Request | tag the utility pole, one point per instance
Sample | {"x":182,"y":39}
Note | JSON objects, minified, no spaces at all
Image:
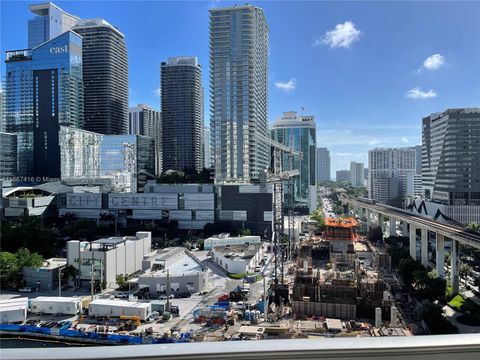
{"x":265,"y":298}
{"x":168,"y":291}
{"x":60,"y":281}
{"x":91,"y":282}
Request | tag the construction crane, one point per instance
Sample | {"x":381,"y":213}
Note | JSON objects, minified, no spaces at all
{"x":277,"y":177}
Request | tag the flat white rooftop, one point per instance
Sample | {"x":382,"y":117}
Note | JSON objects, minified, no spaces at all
{"x":60,"y":299}
{"x":185,"y":265}
{"x":120,"y":303}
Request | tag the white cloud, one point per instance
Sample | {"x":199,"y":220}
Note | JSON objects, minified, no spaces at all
{"x":374,"y":142}
{"x":418,"y":93}
{"x":434,"y":62}
{"x":342,"y":36}
{"x":404,"y":139}
{"x":157,"y":92}
{"x":287,"y":86}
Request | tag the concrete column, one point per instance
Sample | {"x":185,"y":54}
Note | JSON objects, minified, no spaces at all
{"x":424,"y":242}
{"x":413,"y":242}
{"x":440,"y":250}
{"x":454,"y":278}
{"x":393,"y":226}
{"x":369,"y":220}
{"x":380,"y":220}
{"x":404,"y":228}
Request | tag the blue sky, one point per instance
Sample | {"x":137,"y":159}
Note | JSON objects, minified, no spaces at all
{"x":368,"y":71}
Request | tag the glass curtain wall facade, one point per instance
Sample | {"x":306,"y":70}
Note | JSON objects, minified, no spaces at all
{"x":80,"y":154}
{"x":299,"y":133}
{"x":128,"y":160}
{"x":49,"y":22}
{"x":143,"y":120}
{"x":451,"y":157}
{"x":43,"y":90}
{"x":105,"y":74}
{"x":238,"y":92}
{"x":8,"y":156}
{"x":182,"y":113}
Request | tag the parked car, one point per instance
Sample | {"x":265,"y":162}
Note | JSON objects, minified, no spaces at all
{"x":121,"y":296}
{"x":164,"y":297}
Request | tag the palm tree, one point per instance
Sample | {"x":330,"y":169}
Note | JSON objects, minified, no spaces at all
{"x":474,"y":227}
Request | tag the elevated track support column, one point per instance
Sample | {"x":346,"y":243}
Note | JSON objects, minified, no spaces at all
{"x":454,"y":279}
{"x":413,"y":242}
{"x":440,"y":253}
{"x":393,"y":226}
{"x":404,"y":228}
{"x":424,"y":242}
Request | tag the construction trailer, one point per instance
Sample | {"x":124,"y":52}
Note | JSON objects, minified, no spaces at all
{"x":55,"y":305}
{"x":13,"y":310}
{"x":117,"y":308}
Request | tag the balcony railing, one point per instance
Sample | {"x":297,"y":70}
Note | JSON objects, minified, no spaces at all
{"x":440,"y":347}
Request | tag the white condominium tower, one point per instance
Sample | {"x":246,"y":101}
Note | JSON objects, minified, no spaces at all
{"x":238,"y":92}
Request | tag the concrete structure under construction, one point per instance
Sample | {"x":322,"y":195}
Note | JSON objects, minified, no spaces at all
{"x":341,"y":233}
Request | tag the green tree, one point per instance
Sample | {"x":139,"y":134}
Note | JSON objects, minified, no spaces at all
{"x":474,"y":227}
{"x":245,"y":232}
{"x":319,"y":218}
{"x":122,"y":281}
{"x":8,"y":270}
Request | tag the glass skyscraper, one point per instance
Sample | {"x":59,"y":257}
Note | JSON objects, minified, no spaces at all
{"x":105,"y":75}
{"x":182,"y":113}
{"x":323,"y":164}
{"x":238,"y":92}
{"x":299,"y":133}
{"x":49,"y":22}
{"x":143,"y":120}
{"x":43,"y":90}
{"x":451,"y":157}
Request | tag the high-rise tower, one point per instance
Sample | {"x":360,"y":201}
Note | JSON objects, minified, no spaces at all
{"x":182,"y":113}
{"x":238,"y":92}
{"x":105,"y":76}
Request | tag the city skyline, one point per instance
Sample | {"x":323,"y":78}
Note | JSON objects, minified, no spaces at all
{"x":386,"y":98}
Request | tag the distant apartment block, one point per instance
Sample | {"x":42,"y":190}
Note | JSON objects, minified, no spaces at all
{"x":323,"y":164}
{"x":342,"y":175}
{"x":392,"y":173}
{"x":357,"y":178}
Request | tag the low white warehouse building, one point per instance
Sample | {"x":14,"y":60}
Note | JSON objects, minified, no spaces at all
{"x":238,"y":259}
